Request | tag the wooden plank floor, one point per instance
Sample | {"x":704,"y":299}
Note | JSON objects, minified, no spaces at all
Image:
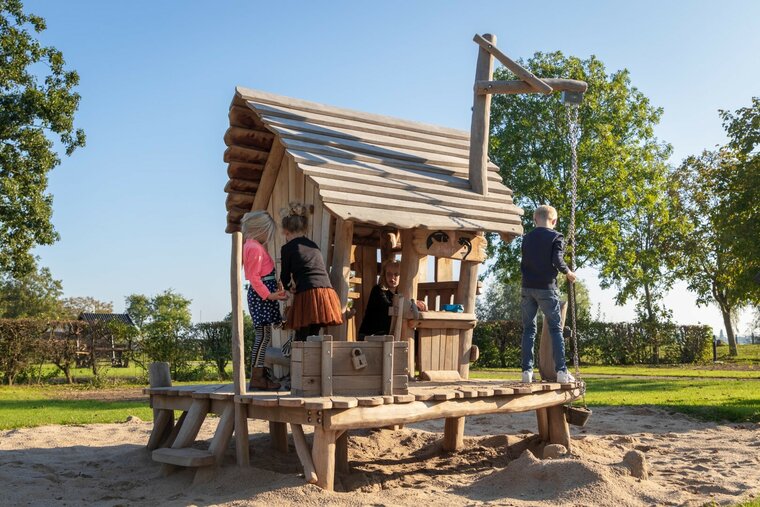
{"x":418,"y":391}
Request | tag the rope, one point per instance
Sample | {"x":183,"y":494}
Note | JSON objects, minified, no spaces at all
{"x":573,"y":137}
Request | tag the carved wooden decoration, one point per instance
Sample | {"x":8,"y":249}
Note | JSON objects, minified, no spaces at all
{"x":460,"y":245}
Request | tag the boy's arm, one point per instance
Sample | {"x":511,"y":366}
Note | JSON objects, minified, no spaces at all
{"x":558,"y":254}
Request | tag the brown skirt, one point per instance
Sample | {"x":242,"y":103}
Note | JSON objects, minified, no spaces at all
{"x":318,"y":306}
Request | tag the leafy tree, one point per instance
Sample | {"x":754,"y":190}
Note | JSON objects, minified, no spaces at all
{"x":33,"y":113}
{"x":216,"y":342}
{"x":165,"y":321}
{"x":34,"y":294}
{"x":642,"y":263}
{"x":711,"y":267}
{"x":138,"y":308}
{"x":74,"y":306}
{"x":502,"y":298}
{"x":618,"y":156}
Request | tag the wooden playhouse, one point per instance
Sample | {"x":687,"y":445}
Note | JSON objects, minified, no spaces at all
{"x":377,"y":187}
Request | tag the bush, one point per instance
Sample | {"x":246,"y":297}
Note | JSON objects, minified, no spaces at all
{"x":19,"y":345}
{"x":610,"y":343}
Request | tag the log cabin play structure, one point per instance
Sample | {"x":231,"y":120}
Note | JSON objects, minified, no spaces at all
{"x":376,"y":187}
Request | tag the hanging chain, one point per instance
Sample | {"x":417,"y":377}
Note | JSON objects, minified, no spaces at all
{"x":573,"y":137}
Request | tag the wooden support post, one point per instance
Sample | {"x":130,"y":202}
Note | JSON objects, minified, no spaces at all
{"x":468,"y":284}
{"x":327,"y":368}
{"x":238,"y":353}
{"x":559,"y":431}
{"x":479,"y":128}
{"x":341,"y":453}
{"x":453,"y":433}
{"x":163,"y":420}
{"x":340,"y":272}
{"x":278,"y":431}
{"x":410,"y":265}
{"x":387,"y":368}
{"x":542,"y":417}
{"x":304,"y":455}
{"x":323,"y":456}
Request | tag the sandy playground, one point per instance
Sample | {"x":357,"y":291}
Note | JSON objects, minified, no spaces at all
{"x":688,"y":463}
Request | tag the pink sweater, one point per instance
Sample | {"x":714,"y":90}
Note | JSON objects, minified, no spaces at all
{"x":257,"y":263}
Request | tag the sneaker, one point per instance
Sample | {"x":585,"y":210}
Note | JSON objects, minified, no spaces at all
{"x":527,"y":377}
{"x":564,"y":377}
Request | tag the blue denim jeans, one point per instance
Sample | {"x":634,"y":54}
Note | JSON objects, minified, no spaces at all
{"x":548,"y":301}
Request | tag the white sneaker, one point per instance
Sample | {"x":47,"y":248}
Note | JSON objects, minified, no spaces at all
{"x":564,"y":377}
{"x":527,"y":377}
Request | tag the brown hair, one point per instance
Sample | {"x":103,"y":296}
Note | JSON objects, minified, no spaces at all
{"x":384,"y":271}
{"x":295,"y":217}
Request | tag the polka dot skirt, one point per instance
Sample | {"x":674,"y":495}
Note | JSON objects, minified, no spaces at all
{"x":263,"y":311}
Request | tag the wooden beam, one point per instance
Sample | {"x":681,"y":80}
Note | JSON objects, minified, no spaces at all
{"x":278,"y":432}
{"x":559,"y":432}
{"x":341,"y":271}
{"x":479,"y":128}
{"x":524,"y":74}
{"x":542,"y":418}
{"x":341,"y":453}
{"x":323,"y":456}
{"x":468,"y":284}
{"x":238,"y":353}
{"x":304,"y":455}
{"x":453,"y":433}
{"x":410,"y":265}
{"x":416,"y":411}
{"x":269,"y":176}
{"x":515,"y":87}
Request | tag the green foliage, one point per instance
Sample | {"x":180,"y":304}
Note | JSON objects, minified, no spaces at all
{"x":166,"y":332}
{"x":502,"y":298}
{"x":33,"y":113}
{"x":59,"y":345}
{"x":72,"y":307}
{"x":617,"y":153}
{"x":215,"y":341}
{"x":32,"y":295}
{"x":19,"y":339}
{"x":609,"y":343}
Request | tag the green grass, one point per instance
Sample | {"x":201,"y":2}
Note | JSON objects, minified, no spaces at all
{"x":696,"y":371}
{"x":28,"y":406}
{"x":748,"y":354}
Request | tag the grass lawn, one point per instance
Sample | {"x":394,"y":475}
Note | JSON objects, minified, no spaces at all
{"x":35,"y":406}
{"x":696,"y":371}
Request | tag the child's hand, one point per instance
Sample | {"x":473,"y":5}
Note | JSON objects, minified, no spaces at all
{"x":571,"y":277}
{"x":277,"y":296}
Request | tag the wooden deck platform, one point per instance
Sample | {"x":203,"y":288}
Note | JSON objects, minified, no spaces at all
{"x":332,"y":418}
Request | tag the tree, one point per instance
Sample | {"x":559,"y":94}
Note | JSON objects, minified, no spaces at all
{"x":32,"y":114}
{"x":618,"y":156}
{"x":34,"y":294}
{"x":501,"y":300}
{"x":74,"y":306}
{"x":165,"y":322}
{"x":711,"y":267}
{"x":643,"y":262}
{"x":138,"y":308}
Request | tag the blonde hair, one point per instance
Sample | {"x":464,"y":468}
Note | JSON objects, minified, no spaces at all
{"x":258,"y":225}
{"x":544,"y":213}
{"x":295,"y":217}
{"x":384,"y":272}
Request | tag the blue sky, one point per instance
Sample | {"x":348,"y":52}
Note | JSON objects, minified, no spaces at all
{"x":141,"y":208}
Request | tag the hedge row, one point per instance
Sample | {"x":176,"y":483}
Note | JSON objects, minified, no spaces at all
{"x":609,"y":343}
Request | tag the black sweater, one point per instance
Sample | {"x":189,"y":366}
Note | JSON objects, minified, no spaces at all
{"x":543,"y":250}
{"x":302,"y":259}
{"x":376,"y":319}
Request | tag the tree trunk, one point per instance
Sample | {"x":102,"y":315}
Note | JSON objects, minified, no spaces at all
{"x":732,"y":350}
{"x":654,"y":336}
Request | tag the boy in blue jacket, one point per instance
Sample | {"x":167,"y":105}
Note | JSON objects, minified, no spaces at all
{"x":543,"y":249}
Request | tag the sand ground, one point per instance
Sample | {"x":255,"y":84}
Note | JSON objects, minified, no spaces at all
{"x":689,"y":462}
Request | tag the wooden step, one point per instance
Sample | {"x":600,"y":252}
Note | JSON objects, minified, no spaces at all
{"x":185,"y":457}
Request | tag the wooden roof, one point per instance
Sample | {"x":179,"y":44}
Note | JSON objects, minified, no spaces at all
{"x":368,"y":168}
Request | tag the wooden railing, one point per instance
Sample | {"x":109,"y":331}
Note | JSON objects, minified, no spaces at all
{"x":437,"y":294}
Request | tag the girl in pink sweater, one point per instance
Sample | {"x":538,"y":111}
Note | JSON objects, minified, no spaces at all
{"x":263,"y":291}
